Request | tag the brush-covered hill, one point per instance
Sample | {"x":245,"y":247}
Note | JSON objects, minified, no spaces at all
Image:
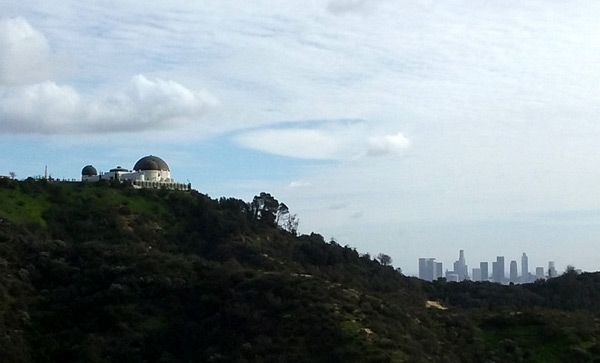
{"x":106,"y":273}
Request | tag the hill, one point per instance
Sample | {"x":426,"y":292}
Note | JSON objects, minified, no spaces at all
{"x":105,"y":273}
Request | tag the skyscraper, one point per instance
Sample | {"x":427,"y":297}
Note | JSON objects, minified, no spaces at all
{"x":514,"y":274}
{"x":524,"y":269}
{"x":483,"y":266}
{"x":551,"y":270}
{"x":539,"y":273}
{"x":476,"y":274}
{"x":437,"y":270}
{"x":426,"y":268}
{"x":498,"y":270}
{"x":460,"y":266}
{"x":422,"y":268}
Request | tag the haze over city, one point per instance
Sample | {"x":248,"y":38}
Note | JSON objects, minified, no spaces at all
{"x":415,"y":128}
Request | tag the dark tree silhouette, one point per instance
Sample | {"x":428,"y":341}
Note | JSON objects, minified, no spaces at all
{"x":384,"y":259}
{"x":264,"y":208}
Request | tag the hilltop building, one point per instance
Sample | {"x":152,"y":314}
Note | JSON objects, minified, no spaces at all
{"x":149,"y":172}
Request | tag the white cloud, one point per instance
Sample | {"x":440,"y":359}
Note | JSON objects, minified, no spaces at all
{"x":338,"y":206}
{"x":24,"y":53}
{"x":299,"y":184}
{"x":145,"y":104}
{"x":149,"y":104}
{"x":30,"y":102}
{"x":357,"y":214}
{"x":324,"y":141}
{"x":42,"y":108}
{"x":296,"y":143}
{"x":350,"y":6}
{"x":387,"y":144}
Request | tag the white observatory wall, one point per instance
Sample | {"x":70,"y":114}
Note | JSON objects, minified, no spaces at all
{"x":157,"y":175}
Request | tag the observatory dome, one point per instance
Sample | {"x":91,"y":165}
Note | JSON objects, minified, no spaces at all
{"x":89,"y":170}
{"x":151,"y":163}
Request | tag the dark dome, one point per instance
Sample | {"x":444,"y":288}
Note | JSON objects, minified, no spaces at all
{"x":151,"y":163}
{"x":89,"y":170}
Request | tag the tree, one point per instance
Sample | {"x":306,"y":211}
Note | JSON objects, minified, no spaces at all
{"x":291,"y":224}
{"x":570,"y":270}
{"x":384,"y":259}
{"x":285,"y":220}
{"x":264,"y":208}
{"x":12,"y":174}
{"x":283,"y":212}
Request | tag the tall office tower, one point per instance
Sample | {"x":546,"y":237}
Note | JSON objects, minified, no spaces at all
{"x":476,"y":274}
{"x":524,"y":269}
{"x":483,"y":266}
{"x":426,"y":268}
{"x":539,"y":273}
{"x":551,"y":270}
{"x":430,"y":268}
{"x":498,"y":270}
{"x":437,"y":270}
{"x":460,"y":266}
{"x":422,"y":268}
{"x":514,"y":274}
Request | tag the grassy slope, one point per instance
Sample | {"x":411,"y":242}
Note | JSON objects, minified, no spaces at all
{"x":99,"y":273}
{"x":21,"y":208}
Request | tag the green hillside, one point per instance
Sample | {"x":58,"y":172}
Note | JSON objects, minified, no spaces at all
{"x":105,"y":273}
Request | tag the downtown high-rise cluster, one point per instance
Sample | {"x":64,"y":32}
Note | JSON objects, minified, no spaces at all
{"x":430,"y":270}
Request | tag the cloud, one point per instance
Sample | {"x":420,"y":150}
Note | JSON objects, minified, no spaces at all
{"x":145,"y":104}
{"x":350,"y":6}
{"x":299,"y":184}
{"x":296,"y":143}
{"x":24,"y":53}
{"x":30,"y":102}
{"x":338,"y":206}
{"x":387,"y":144}
{"x":149,"y":104}
{"x":357,"y":214}
{"x":39,"y":108}
{"x":323,"y":141}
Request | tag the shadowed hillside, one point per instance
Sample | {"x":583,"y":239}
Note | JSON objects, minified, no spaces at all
{"x":105,"y":273}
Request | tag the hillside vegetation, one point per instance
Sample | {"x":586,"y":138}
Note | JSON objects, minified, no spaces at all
{"x":105,"y":273}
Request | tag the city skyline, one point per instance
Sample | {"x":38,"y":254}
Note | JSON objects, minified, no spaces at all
{"x":503,"y":271}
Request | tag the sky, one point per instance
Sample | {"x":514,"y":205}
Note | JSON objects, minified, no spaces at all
{"x":412,"y":128}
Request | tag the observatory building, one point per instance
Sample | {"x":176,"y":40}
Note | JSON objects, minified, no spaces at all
{"x":149,"y":172}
